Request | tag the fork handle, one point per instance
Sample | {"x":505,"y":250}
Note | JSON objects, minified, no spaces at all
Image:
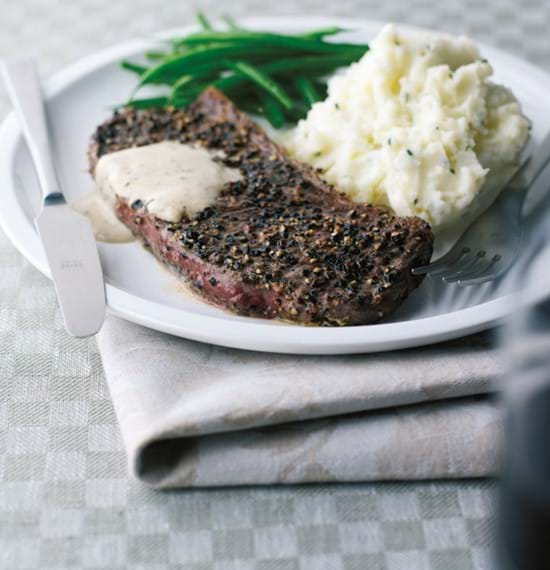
{"x":23,"y":87}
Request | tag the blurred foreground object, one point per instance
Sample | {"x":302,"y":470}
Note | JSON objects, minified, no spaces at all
{"x":524,"y":522}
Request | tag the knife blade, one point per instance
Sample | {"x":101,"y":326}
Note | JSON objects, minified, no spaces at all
{"x":70,"y":248}
{"x":67,"y":237}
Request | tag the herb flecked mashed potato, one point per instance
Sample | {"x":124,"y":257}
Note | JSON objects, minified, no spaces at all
{"x":415,"y":125}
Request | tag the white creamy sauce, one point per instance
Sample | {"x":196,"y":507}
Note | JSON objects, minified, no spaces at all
{"x":107,"y":227}
{"x":170,"y":178}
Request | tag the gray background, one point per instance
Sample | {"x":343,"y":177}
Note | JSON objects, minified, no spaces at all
{"x":65,"y":499}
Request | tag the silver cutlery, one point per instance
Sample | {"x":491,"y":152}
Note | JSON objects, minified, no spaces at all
{"x":490,"y":245}
{"x":67,"y":237}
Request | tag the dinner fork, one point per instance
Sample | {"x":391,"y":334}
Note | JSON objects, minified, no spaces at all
{"x":489,"y":246}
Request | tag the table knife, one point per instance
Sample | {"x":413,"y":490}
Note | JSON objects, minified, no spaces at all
{"x":67,"y":237}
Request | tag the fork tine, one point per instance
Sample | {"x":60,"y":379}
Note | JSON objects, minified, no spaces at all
{"x":478,"y":267}
{"x":484,"y":276}
{"x":464,"y":269}
{"x":458,"y":266}
{"x":477,"y":280}
{"x":442,"y":264}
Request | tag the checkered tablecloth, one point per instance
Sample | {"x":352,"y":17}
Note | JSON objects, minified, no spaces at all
{"x":65,"y":498}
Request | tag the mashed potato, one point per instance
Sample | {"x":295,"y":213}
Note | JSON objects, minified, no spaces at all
{"x":415,"y":125}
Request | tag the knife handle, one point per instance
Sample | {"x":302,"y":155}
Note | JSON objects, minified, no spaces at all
{"x":24,"y":90}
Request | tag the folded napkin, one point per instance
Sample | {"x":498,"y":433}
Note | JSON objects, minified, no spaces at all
{"x":193,"y":414}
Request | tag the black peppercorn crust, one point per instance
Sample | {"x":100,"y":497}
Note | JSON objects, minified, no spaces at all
{"x":280,"y":243}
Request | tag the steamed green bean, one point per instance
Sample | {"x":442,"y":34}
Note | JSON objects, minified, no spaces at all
{"x":307,"y":90}
{"x":263,"y":81}
{"x":277,"y":75}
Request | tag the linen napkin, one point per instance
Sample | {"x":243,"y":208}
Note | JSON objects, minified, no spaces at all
{"x":194,"y":415}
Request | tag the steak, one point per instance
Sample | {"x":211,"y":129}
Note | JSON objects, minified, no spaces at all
{"x":280,"y":242}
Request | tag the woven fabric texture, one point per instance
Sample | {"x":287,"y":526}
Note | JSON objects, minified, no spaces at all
{"x":65,"y":498}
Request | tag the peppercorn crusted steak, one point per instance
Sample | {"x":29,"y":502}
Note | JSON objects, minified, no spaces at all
{"x":280,"y":242}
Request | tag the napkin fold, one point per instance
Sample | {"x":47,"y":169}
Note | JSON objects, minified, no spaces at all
{"x":193,"y":414}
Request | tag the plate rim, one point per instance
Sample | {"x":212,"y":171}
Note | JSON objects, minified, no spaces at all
{"x":251,"y":335}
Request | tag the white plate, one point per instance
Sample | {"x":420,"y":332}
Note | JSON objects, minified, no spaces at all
{"x":141,"y":291}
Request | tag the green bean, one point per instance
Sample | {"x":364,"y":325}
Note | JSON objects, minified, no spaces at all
{"x":279,"y":76}
{"x":155,"y":55}
{"x":196,"y":81}
{"x":263,"y":81}
{"x":198,"y":78}
{"x":203,"y":21}
{"x":322,"y":89}
{"x":307,"y":90}
{"x":231,"y":84}
{"x":231,"y":24}
{"x":323,"y":32}
{"x":141,"y":70}
{"x":287,"y":65}
{"x":250,"y":108}
{"x":133,"y":67}
{"x":261,"y":38}
{"x":273,"y":111}
{"x":146,"y":103}
{"x":185,"y":62}
{"x":181,"y":82}
{"x":298,"y":112}
{"x":249,"y":102}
